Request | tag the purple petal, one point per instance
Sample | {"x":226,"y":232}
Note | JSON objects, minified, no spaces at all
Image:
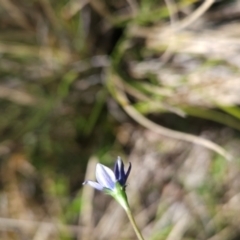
{"x":105,"y":176}
{"x":116,"y":170}
{"x":120,"y":168}
{"x":94,"y":185}
{"x":128,"y":171}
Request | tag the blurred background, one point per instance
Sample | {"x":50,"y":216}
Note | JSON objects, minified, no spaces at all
{"x":156,"y":82}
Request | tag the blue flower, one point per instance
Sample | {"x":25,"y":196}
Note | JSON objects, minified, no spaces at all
{"x":119,"y":172}
{"x":107,"y":179}
{"x":114,"y":184}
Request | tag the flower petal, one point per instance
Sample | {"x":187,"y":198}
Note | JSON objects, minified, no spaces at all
{"x":120,"y":169}
{"x":128,"y":172}
{"x":94,"y":185}
{"x":116,"y":170}
{"x":105,"y":176}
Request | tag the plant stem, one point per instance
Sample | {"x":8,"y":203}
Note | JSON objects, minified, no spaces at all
{"x":120,"y":196}
{"x":134,"y":225}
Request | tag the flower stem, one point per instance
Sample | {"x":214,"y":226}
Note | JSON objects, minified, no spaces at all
{"x":120,"y":196}
{"x":134,"y":225}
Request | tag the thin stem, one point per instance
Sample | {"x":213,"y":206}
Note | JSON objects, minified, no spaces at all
{"x":134,"y":225}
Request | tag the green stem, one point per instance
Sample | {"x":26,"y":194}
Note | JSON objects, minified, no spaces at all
{"x":134,"y":225}
{"x":121,"y":197}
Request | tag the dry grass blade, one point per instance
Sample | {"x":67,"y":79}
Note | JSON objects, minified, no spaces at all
{"x":195,"y":15}
{"x":119,"y":94}
{"x":43,"y":232}
{"x":111,"y":222}
{"x":73,"y":7}
{"x":85,"y":216}
{"x":179,"y":228}
{"x":16,"y":14}
{"x":17,"y":96}
{"x":154,"y":104}
{"x":50,"y":13}
{"x":29,"y":225}
{"x":173,"y":21}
